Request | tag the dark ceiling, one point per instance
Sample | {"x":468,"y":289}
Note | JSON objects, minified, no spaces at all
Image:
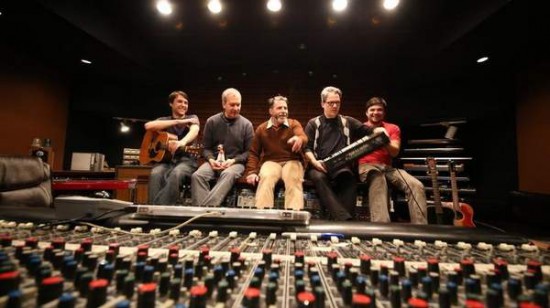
{"x":129,"y":39}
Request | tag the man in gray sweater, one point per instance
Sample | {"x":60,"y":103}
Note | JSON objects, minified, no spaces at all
{"x":227,"y":138}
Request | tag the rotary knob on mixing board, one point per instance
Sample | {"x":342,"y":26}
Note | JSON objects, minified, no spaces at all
{"x":31,"y":242}
{"x":50,"y":289}
{"x":115,"y":247}
{"x":58,"y":243}
{"x":332,"y":258}
{"x":251,"y":298}
{"x":467,"y":266}
{"x":536,"y":268}
{"x":86,"y":244}
{"x":399,"y":265}
{"x":147,"y":295}
{"x":9,"y":281}
{"x":416,"y":302}
{"x":5,"y":241}
{"x":97,"y":293}
{"x":235,"y":254}
{"x":433,"y":265}
{"x":299,"y":257}
{"x":267,"y":255}
{"x":306,"y":299}
{"x":198,"y":296}
{"x":365,"y":264}
{"x":361,"y":301}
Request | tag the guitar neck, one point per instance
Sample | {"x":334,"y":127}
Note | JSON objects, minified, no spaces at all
{"x":432,"y":170}
{"x":454,"y":189}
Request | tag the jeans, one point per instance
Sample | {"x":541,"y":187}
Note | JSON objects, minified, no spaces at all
{"x":200,"y":187}
{"x":292,"y":173}
{"x":378,"y":177}
{"x":167,"y":178}
{"x":339,"y":197}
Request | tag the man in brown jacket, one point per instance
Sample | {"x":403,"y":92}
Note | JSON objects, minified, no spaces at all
{"x":276,"y":153}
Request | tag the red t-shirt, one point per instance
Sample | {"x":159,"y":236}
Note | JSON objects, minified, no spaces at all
{"x":381,"y":155}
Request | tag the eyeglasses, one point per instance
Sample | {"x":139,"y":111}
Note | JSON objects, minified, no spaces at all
{"x":333,"y":103}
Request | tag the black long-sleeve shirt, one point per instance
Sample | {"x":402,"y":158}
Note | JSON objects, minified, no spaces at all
{"x":331,"y":136}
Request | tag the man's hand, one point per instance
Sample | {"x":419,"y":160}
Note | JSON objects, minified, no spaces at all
{"x":296,"y":143}
{"x":318,"y":165}
{"x":215,"y":164}
{"x":380,"y":130}
{"x":173,"y":146}
{"x":252,"y":179}
{"x":228,"y":163}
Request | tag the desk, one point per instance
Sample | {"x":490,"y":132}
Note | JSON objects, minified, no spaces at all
{"x":82,"y":175}
{"x":141,"y":174}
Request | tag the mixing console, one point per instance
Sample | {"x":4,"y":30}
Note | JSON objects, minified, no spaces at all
{"x":64,"y":266}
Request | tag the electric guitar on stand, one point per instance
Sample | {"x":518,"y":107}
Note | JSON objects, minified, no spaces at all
{"x":441,"y":214}
{"x":464,"y":212}
{"x":154,"y":147}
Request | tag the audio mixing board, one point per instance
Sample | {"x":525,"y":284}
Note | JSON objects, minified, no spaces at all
{"x":81,"y":266}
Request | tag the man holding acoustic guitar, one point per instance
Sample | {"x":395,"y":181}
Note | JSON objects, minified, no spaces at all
{"x":226,"y":139}
{"x":376,"y":169}
{"x":174,"y":163}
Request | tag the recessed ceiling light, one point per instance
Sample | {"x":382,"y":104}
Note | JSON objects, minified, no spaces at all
{"x":164,"y":7}
{"x":274,"y":5}
{"x":482,"y":59}
{"x":85,"y":61}
{"x":390,"y":4}
{"x":339,"y":5}
{"x":214,"y":6}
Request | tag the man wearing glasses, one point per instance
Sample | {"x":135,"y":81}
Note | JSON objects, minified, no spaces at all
{"x":327,"y":134}
{"x":276,"y":153}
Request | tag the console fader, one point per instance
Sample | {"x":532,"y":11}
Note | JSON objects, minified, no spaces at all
{"x":81,"y":267}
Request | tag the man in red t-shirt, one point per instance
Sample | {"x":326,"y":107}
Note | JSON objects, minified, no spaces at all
{"x":376,"y":168}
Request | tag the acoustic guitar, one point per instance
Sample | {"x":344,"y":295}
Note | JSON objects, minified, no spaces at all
{"x":154,"y":148}
{"x":464,"y":212}
{"x":441,"y":214}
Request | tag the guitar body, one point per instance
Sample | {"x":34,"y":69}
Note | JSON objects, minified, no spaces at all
{"x":465,"y":216}
{"x":446,"y":217}
{"x":154,"y":148}
{"x":464,"y":212}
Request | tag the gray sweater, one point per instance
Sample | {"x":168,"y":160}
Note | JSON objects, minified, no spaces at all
{"x":234,"y":134}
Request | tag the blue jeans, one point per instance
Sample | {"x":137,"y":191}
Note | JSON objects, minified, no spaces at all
{"x":200,"y":188}
{"x":167,"y":178}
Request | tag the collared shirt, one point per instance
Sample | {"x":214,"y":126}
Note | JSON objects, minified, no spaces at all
{"x":271,"y":144}
{"x":270,"y":123}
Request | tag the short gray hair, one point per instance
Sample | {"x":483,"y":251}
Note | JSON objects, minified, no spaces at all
{"x":328,"y":90}
{"x":228,"y":91}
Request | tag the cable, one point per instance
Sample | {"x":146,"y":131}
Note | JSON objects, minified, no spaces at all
{"x":410,"y":189}
{"x":213,"y":213}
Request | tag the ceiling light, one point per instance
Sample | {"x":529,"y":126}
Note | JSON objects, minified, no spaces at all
{"x":274,"y":5}
{"x":85,"y":61}
{"x":124,"y":128}
{"x":215,"y":6}
{"x":339,"y":5}
{"x":482,"y":59}
{"x":390,"y":4}
{"x":164,"y":7}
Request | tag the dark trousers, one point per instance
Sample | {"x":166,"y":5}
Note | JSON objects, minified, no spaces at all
{"x":337,"y":192}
